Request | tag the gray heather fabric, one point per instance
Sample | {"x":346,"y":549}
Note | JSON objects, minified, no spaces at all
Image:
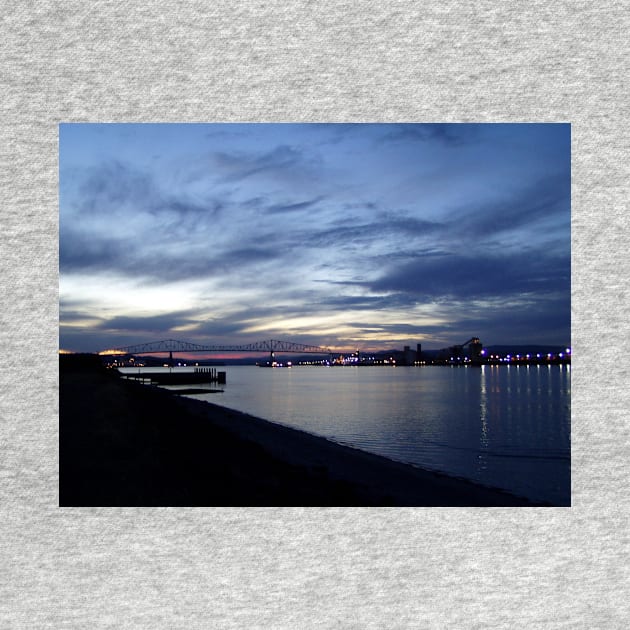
{"x":310,"y":568}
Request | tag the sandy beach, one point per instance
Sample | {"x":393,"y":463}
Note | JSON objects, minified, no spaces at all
{"x":127,"y":444}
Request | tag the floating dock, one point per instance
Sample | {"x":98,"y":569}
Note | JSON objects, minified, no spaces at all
{"x":200,"y":375}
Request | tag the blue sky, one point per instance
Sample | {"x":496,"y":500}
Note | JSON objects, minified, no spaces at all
{"x":340,"y":235}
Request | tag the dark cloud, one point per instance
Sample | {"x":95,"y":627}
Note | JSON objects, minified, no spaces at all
{"x":79,"y":251}
{"x":165,"y":267}
{"x":219,"y":329}
{"x":523,"y":321}
{"x":410,"y":226}
{"x":239,"y":166}
{"x":164,"y":322}
{"x":201,"y":327}
{"x":76,"y":316}
{"x":341,"y":235}
{"x":335,"y":133}
{"x":249,"y":255}
{"x":539,"y":319}
{"x":403,"y":330}
{"x":471,"y":277}
{"x":113,"y":185}
{"x":543,"y":200}
{"x":446,"y":134}
{"x":293,"y":207}
{"x":366,"y":302}
{"x":93,"y":340}
{"x":255,"y":202}
{"x":210,"y":209}
{"x":95,"y":253}
{"x":126,"y":196}
{"x":364,"y":205}
{"x":346,"y":232}
{"x":117,"y":189}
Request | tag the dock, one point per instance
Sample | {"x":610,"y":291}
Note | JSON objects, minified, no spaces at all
{"x":199,"y":375}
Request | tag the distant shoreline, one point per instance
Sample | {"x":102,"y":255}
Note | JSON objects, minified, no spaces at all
{"x":124,"y":443}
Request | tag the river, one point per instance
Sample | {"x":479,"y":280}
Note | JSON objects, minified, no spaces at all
{"x":503,"y":426}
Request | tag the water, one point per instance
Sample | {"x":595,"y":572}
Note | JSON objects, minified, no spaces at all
{"x":505,"y":427}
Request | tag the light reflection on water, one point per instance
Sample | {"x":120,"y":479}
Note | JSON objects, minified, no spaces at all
{"x":506,"y":427}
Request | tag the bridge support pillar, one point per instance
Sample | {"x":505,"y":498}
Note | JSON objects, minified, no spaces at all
{"x":170,"y":358}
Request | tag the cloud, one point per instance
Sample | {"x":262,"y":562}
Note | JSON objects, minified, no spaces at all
{"x":542,"y":201}
{"x":446,"y":134}
{"x":378,"y":230}
{"x":248,"y":256}
{"x":164,"y":322}
{"x":220,"y":329}
{"x":196,"y":324}
{"x":410,"y":226}
{"x":116,"y":190}
{"x":76,"y":316}
{"x":335,"y":133}
{"x":539,"y":319}
{"x":403,"y":330}
{"x":293,"y":207}
{"x":113,"y":185}
{"x":471,"y":277}
{"x":79,"y":251}
{"x":117,"y":220}
{"x":210,"y":209}
{"x":354,"y":302}
{"x":240,"y":166}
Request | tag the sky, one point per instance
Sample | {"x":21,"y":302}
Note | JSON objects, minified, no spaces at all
{"x":370,"y":236}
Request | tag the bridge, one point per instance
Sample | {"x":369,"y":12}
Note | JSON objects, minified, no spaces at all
{"x":172,"y":345}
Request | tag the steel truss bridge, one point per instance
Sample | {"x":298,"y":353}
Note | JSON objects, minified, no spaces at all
{"x":172,"y":345}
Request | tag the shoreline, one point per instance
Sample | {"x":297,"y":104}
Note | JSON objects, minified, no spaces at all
{"x":124,"y":443}
{"x":354,"y":465}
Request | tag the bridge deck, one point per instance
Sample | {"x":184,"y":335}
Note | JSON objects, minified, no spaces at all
{"x":173,"y":345}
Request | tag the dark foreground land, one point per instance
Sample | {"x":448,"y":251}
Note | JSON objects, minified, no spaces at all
{"x":126,"y":444}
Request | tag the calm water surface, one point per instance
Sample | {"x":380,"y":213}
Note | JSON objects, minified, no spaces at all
{"x":506,"y":427}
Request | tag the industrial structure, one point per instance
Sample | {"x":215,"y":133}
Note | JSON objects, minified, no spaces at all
{"x":469,"y":351}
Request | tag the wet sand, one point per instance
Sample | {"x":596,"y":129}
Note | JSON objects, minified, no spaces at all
{"x":127,"y":444}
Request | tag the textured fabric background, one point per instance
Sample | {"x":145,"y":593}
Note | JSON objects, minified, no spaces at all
{"x":313,"y":568}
